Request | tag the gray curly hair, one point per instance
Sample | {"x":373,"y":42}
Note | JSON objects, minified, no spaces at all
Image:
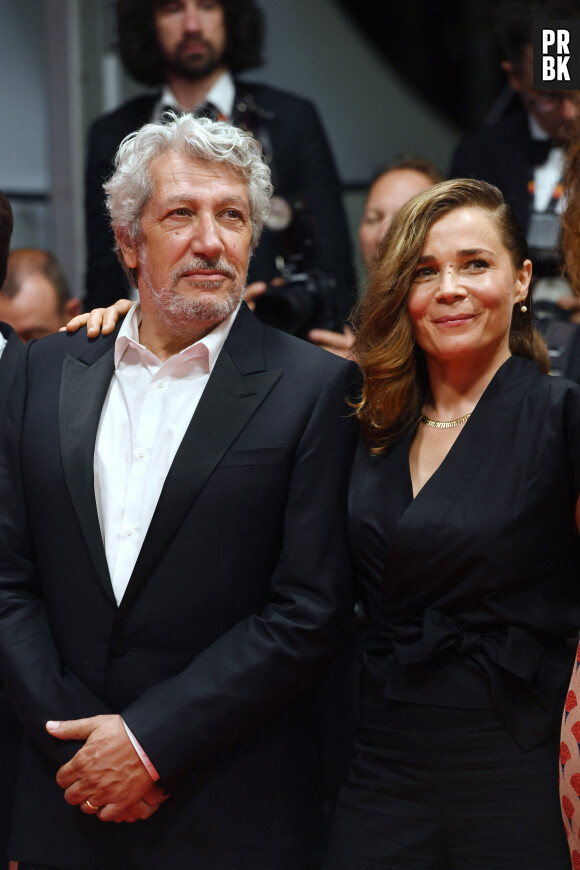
{"x":130,"y":187}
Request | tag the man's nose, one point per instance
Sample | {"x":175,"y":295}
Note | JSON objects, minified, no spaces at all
{"x":191,"y":21}
{"x":205,"y":239}
{"x":570,"y":108}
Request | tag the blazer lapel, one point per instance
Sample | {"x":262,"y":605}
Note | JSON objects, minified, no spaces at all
{"x":8,"y":359}
{"x":238,"y":385}
{"x":83,"y":392}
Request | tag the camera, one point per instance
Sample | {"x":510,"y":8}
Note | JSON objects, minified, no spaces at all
{"x":560,"y":334}
{"x":301,"y":297}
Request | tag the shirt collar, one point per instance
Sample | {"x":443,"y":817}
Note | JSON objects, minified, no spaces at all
{"x":222,"y":95}
{"x":536,"y":132}
{"x":213,"y":342}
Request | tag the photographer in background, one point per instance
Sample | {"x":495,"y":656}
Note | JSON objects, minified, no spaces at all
{"x":192,"y":51}
{"x":523,"y":153}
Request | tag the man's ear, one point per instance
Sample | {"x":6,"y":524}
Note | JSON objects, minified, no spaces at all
{"x":511,"y":74}
{"x":72,"y":308}
{"x":128,"y":250}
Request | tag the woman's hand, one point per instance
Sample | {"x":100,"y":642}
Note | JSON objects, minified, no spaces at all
{"x":339,"y":343}
{"x":99,"y":320}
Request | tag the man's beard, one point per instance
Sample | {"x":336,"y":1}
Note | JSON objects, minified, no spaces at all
{"x":182,"y":310}
{"x":193,"y":67}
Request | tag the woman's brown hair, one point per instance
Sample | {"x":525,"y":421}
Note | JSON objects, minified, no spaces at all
{"x":395,"y":379}
{"x":571,"y":216}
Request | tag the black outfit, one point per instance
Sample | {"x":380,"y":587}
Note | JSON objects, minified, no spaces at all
{"x":302,"y":167}
{"x":501,"y":154}
{"x":474,"y":601}
{"x":239,"y":596}
{"x":10,"y":729}
{"x":8,"y":359}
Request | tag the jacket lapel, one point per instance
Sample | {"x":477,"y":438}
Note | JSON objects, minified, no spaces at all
{"x":83,"y":392}
{"x":238,"y":385}
{"x":8,"y":359}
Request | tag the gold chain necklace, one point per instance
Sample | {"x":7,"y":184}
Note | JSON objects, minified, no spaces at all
{"x":444,"y":424}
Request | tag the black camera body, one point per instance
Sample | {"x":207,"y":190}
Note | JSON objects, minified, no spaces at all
{"x":302,"y":297}
{"x":562,"y":338}
{"x":302,"y":303}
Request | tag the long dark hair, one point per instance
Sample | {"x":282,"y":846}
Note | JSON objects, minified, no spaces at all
{"x":139,"y":48}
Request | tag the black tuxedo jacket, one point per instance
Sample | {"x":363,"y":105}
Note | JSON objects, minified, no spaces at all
{"x":8,"y":359}
{"x":10,"y":730}
{"x":236,"y":603}
{"x":498,"y":153}
{"x":302,"y":166}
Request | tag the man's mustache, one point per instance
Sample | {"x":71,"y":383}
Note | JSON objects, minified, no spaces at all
{"x":192,"y":39}
{"x":218,"y":264}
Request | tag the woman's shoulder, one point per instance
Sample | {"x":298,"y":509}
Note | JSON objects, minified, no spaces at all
{"x":552,"y":387}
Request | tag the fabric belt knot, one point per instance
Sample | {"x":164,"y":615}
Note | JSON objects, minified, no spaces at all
{"x":510,"y":658}
{"x":514,"y":649}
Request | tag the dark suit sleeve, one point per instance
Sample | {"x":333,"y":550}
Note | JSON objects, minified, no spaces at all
{"x":39,"y":686}
{"x":304,"y":169}
{"x":322,"y":189}
{"x":105,"y":279}
{"x":474,"y":157}
{"x":253,"y":671}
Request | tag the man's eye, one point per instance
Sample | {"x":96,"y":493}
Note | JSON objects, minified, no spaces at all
{"x":168,"y":5}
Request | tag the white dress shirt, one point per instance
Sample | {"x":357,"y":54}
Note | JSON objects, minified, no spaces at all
{"x":549,"y":174}
{"x":3,"y":343}
{"x":147,"y":410}
{"x":222,"y":95}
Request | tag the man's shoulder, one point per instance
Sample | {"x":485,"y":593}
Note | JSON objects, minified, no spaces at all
{"x":268,"y":97}
{"x":512,"y":129}
{"x":127,"y":117}
{"x":74,"y":344}
{"x":301,"y":356}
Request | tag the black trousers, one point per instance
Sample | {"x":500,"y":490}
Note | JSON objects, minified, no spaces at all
{"x":440,"y":789}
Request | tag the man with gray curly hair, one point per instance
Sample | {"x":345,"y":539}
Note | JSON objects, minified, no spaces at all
{"x":159,"y":149}
{"x":174,"y":575}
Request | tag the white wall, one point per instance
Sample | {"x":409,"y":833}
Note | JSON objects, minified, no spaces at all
{"x":24,"y":163}
{"x":369,"y":112}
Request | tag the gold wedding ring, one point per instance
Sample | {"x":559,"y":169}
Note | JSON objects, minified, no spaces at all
{"x":89,"y":804}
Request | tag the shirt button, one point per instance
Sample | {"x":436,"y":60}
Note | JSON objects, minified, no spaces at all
{"x":119,"y":648}
{"x":129,"y":531}
{"x":160,"y":385}
{"x":139,"y":454}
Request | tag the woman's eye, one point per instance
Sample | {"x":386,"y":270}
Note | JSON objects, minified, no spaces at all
{"x":478,"y":264}
{"x":424,"y":272}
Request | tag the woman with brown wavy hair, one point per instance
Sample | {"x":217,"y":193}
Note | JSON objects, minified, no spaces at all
{"x":571,"y":215}
{"x":462,"y":521}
